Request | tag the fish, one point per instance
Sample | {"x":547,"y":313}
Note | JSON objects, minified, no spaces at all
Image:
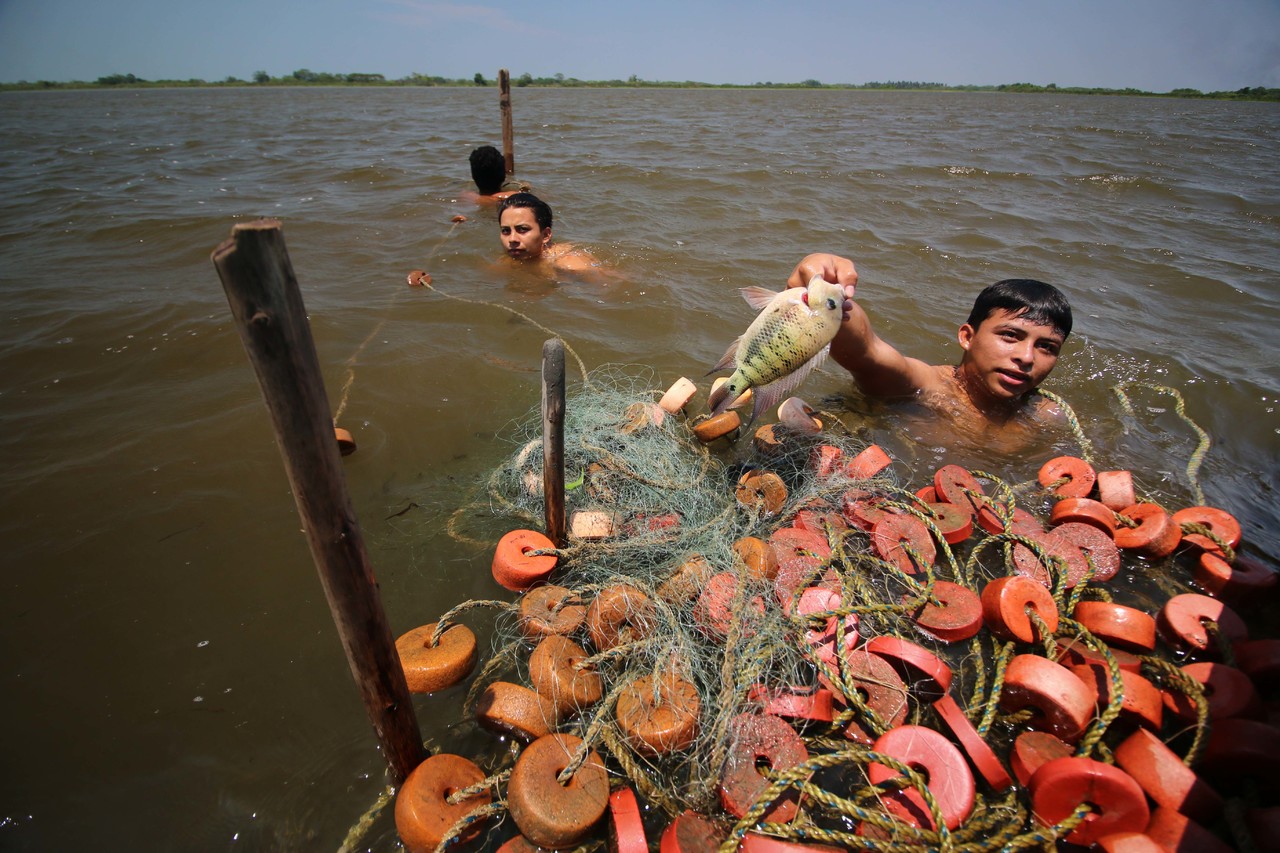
{"x":790,"y":337}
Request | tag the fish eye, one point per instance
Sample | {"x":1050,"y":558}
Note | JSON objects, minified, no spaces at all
{"x":831,"y":304}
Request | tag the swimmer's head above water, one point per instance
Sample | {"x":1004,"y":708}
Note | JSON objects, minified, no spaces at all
{"x":524,"y":226}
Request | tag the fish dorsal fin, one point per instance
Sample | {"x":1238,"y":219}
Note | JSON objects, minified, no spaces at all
{"x":771,"y":395}
{"x":728,"y":362}
{"x":758,"y":297}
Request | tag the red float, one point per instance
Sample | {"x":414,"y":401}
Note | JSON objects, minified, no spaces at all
{"x":952,"y":522}
{"x":1182,"y":622}
{"x":991,"y":519}
{"x":825,"y":460}
{"x":658,"y":714}
{"x":1222,"y":523}
{"x":515,"y":565}
{"x":1155,"y":536}
{"x":1005,"y":605}
{"x":1239,"y":750}
{"x":1243,"y":577}
{"x":1128,"y":842}
{"x":1115,"y":489}
{"x":1117,"y":802}
{"x":550,"y":813}
{"x":1031,"y":749}
{"x":957,"y":615}
{"x":894,"y":534}
{"x":920,"y":669}
{"x":1228,"y":691}
{"x":956,"y":485}
{"x":427,"y":667}
{"x":691,"y":832}
{"x":1079,"y":477}
{"x":626,"y":829}
{"x":1064,"y":703}
{"x":1076,"y":651}
{"x":1091,"y":543}
{"x":944,"y":768}
{"x":801,"y":555}
{"x":758,"y":557}
{"x":1084,"y":511}
{"x":760,"y":740}
{"x":863,"y":509}
{"x":867,"y":464}
{"x":979,"y":751}
{"x":1166,"y":779}
{"x":793,"y":703}
{"x":1260,"y":660}
{"x":554,"y":672}
{"x":424,"y":814}
{"x":1140,"y":701}
{"x":1118,"y":625}
{"x":817,"y":599}
{"x":715,"y":613}
{"x":880,"y":688}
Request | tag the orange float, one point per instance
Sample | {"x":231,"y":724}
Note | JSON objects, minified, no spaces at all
{"x":1064,"y":704}
{"x":952,"y":522}
{"x":626,"y":829}
{"x":1218,"y":577}
{"x":1117,"y":803}
{"x":515,"y":710}
{"x":1005,"y":605}
{"x":1078,"y":477}
{"x":1228,"y":691}
{"x":678,"y":396}
{"x":1076,"y":651}
{"x":619,"y":614}
{"x":1084,"y":511}
{"x":1115,"y":489}
{"x":1222,"y":523}
{"x":714,"y":611}
{"x":550,"y":609}
{"x":763,"y":491}
{"x":957,"y":615}
{"x":418,"y":278}
{"x":1177,"y":832}
{"x":801,"y":555}
{"x":551,"y":814}
{"x":820,"y":599}
{"x":894,"y":534}
{"x":1182,"y":622}
{"x":920,"y":669}
{"x":1031,"y":749}
{"x":555,"y":673}
{"x":862,"y":509}
{"x":947,"y":772}
{"x":792,"y":703}
{"x":980,"y":753}
{"x":771,"y":440}
{"x":991,"y":518}
{"x":423,"y":812}
{"x":957,"y":486}
{"x":517,"y":566}
{"x":1118,"y":625}
{"x":1166,"y":779}
{"x":1128,"y":842}
{"x":691,"y":832}
{"x":825,"y":460}
{"x":819,"y":520}
{"x":686,"y":581}
{"x":429,"y":668}
{"x":1140,"y":701}
{"x":658,"y":714}
{"x":758,"y":557}
{"x":1155,"y":535}
{"x":717,"y":426}
{"x":759,"y":740}
{"x":880,"y":687}
{"x":346,"y":441}
{"x":867,"y":464}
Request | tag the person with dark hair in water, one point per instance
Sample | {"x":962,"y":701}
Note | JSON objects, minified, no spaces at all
{"x":489,"y":171}
{"x":1010,"y":340}
{"x":524,"y":227}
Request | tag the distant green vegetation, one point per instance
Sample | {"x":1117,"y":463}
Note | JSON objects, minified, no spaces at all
{"x":306,"y":77}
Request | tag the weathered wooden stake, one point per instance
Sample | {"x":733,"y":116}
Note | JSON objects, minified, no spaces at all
{"x":267,"y":308}
{"x":508,"y":135}
{"x":553,"y":438}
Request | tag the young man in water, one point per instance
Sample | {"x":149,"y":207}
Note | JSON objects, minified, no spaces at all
{"x":1011,"y":342}
{"x":524,"y":227}
{"x":489,"y":171}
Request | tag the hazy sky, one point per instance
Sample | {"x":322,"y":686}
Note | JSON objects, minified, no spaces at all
{"x":1155,"y":45}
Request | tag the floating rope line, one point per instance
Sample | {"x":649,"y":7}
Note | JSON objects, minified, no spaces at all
{"x":1180,"y":408}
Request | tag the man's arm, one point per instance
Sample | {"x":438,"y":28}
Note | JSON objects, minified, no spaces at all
{"x":878,"y":368}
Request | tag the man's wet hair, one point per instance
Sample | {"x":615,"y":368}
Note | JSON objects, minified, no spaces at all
{"x":1038,"y":302}
{"x":488,"y":169}
{"x":541,"y":210}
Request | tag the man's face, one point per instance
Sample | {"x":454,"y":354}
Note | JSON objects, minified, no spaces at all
{"x":520,"y":234}
{"x":1008,"y":355}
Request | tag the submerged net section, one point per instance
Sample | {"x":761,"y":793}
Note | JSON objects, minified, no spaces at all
{"x":793,"y":578}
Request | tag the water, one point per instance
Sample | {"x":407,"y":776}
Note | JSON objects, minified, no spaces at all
{"x":172,"y":675}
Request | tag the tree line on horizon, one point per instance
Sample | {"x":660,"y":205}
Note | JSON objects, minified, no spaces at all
{"x":306,"y":77}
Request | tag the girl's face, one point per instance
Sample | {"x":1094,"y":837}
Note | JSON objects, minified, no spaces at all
{"x":520,"y":234}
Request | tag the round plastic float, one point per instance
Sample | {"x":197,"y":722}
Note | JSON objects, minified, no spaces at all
{"x":554,"y":673}
{"x":758,"y":740}
{"x":1005,"y":605}
{"x":818,"y":599}
{"x":1222,"y":523}
{"x":949,"y":779}
{"x":762,"y":491}
{"x":658,"y":714}
{"x":1166,"y":779}
{"x":626,"y":829}
{"x":957,"y":615}
{"x":346,"y":441}
{"x":515,"y":565}
{"x":1243,"y":577}
{"x":952,"y":522}
{"x":418,"y":278}
{"x":515,"y":710}
{"x":1240,"y":750}
{"x":678,"y":395}
{"x":955,"y":485}
{"x":1031,"y":749}
{"x":1084,"y":511}
{"x":920,"y":669}
{"x":797,"y":415}
{"x":619,"y":614}
{"x":1115,"y":489}
{"x":715,"y":611}
{"x":980,"y":753}
{"x":1155,"y":536}
{"x":1228,"y":691}
{"x":1174,"y":831}
{"x":757,"y":556}
{"x":798,"y":704}
{"x":825,"y":460}
{"x":1064,"y":703}
{"x":1183,"y":619}
{"x":423,"y":812}
{"x":882,"y":690}
{"x":1127,"y":842}
{"x":686,"y":581}
{"x":548,"y":813}
{"x":691,"y":832}
{"x":867,"y":464}
{"x":894,"y":534}
{"x":1078,"y":474}
{"x":717,"y":426}
{"x":550,"y":609}
{"x":429,"y":668}
{"x":1117,"y":802}
{"x":990,"y":517}
{"x":800,"y":555}
{"x":1140,"y":701}
{"x":1117,"y":625}
{"x":1260,"y":660}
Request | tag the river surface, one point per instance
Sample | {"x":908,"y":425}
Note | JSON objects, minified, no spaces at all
{"x":172,"y":678}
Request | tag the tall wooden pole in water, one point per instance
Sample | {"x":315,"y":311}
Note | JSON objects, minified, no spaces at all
{"x":553,"y":439}
{"x":268,"y":311}
{"x":508,"y":135}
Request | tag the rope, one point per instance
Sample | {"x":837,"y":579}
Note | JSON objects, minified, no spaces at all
{"x":1180,"y":408}
{"x":1086,"y":447}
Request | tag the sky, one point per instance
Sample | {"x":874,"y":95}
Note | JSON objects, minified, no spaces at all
{"x":1152,"y":45}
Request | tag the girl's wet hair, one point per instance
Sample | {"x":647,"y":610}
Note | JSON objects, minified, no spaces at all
{"x":1038,"y":302}
{"x":541,"y":210}
{"x":488,"y":169}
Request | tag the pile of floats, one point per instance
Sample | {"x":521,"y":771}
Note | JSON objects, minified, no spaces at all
{"x":975,"y":680}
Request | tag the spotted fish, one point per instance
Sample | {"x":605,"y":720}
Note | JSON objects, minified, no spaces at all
{"x":790,"y":337}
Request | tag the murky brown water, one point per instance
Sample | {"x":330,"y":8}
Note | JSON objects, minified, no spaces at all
{"x":172,"y":676}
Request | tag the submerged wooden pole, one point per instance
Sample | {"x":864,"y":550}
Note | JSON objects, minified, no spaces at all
{"x":553,"y":438}
{"x":508,"y":135}
{"x":267,"y":308}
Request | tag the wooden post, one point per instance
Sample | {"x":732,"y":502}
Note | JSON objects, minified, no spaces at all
{"x":267,"y":308}
{"x":553,"y":438}
{"x":508,"y":136}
